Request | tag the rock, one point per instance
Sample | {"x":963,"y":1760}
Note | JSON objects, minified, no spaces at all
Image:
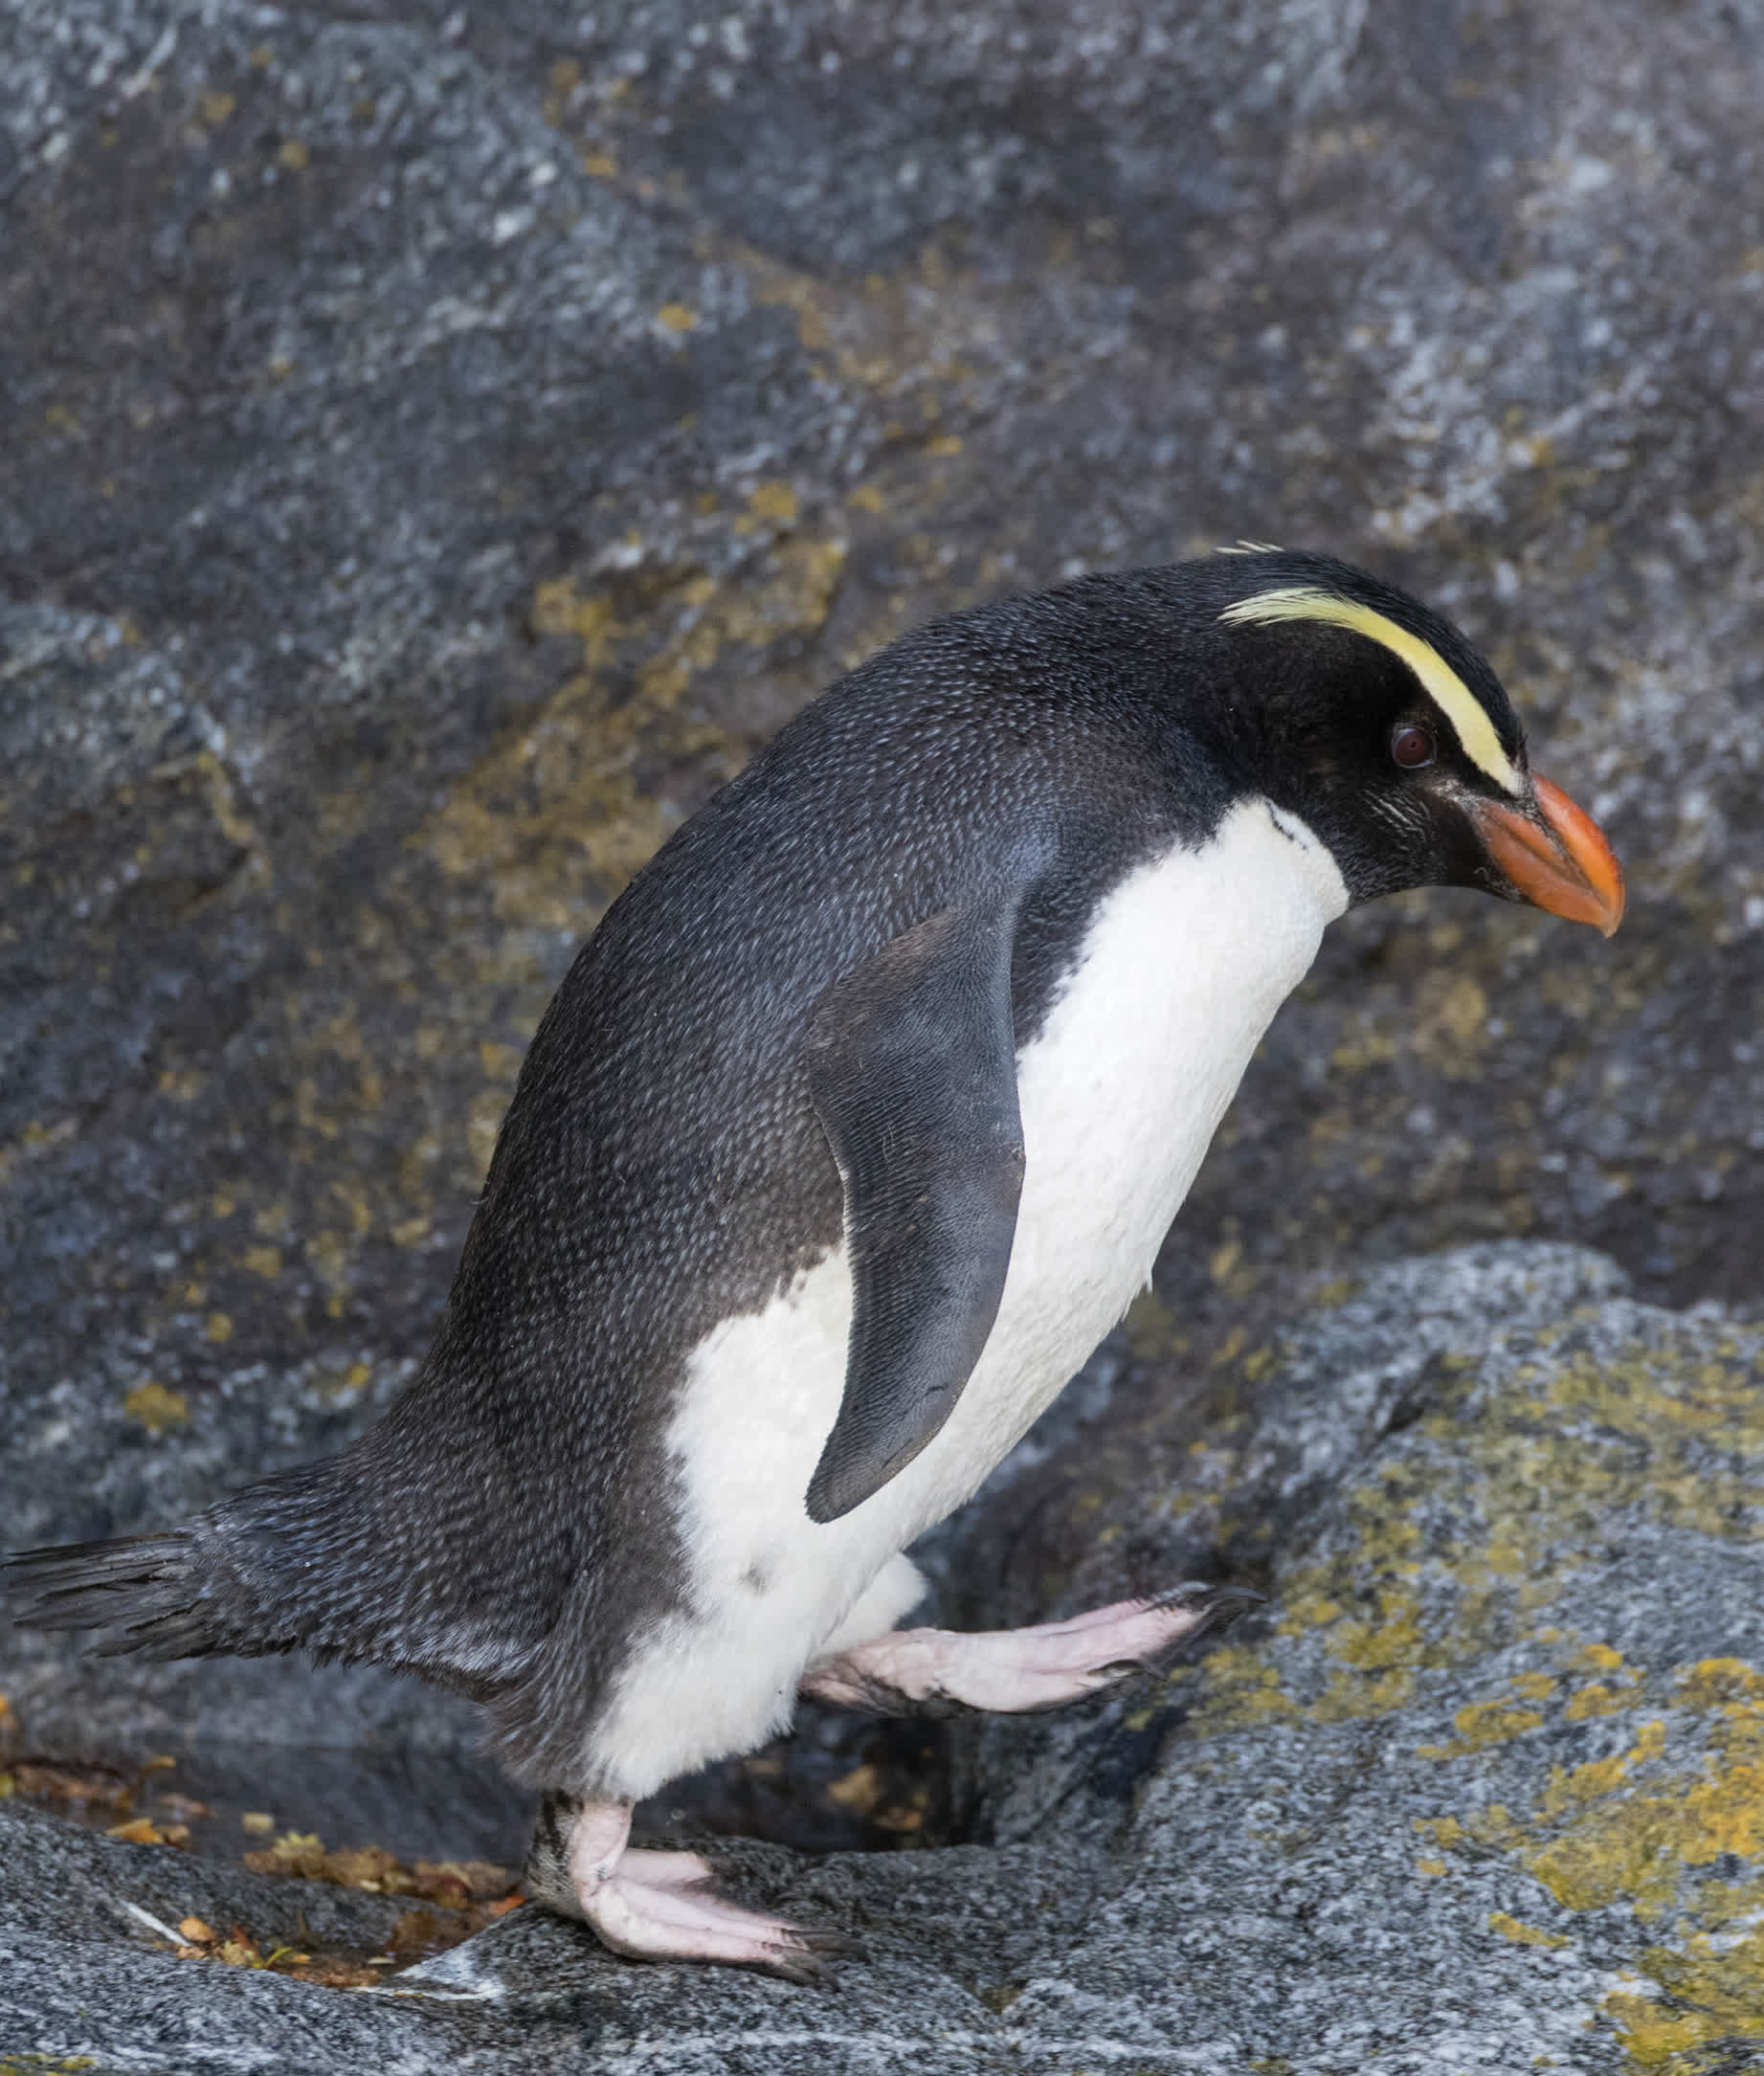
{"x":442,"y":448}
{"x":1482,"y":1785}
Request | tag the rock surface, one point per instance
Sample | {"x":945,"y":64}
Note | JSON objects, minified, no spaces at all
{"x":1480,"y":1790}
{"x":443,"y":442}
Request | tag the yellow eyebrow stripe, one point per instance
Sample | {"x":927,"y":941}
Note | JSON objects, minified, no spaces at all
{"x":1447,"y":690}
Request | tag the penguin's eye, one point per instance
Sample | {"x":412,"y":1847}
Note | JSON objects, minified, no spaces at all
{"x":1412,"y":746}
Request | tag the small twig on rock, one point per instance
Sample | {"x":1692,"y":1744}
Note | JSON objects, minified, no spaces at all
{"x":146,"y":1918}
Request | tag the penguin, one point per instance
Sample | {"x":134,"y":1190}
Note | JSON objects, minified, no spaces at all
{"x":855,"y":1126}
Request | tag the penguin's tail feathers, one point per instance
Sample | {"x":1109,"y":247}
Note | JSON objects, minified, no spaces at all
{"x":314,"y":1559}
{"x":151,"y":1588}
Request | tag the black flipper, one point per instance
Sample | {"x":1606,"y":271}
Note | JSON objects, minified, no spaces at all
{"x":912,"y":1065}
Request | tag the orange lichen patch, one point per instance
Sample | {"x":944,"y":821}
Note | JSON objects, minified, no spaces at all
{"x":1417,"y":1579}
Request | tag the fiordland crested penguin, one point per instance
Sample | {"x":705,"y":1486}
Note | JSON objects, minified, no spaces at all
{"x":852,"y":1129}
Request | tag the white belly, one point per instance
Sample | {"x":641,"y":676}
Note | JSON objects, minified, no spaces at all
{"x":1183,"y":967}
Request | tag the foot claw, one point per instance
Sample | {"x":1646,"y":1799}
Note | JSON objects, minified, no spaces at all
{"x":936,"y":1672}
{"x":1216,"y":1605}
{"x":807,"y":1958}
{"x":661,"y":1906}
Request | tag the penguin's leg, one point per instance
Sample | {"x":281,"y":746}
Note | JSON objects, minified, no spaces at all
{"x":659,"y":1906}
{"x":1010,"y":1671}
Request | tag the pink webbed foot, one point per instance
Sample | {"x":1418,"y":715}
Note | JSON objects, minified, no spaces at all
{"x":659,"y":1905}
{"x":1011,"y":1671}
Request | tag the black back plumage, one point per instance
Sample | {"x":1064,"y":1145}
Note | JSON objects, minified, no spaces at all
{"x":510,"y":1524}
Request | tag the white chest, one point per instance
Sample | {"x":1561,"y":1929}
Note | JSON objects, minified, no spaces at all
{"x":1180,"y":972}
{"x":1182,"y":969}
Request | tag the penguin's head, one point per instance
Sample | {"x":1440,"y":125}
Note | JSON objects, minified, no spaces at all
{"x":1355,"y":707}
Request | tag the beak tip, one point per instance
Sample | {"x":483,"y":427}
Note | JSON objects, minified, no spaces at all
{"x":1564,"y":862}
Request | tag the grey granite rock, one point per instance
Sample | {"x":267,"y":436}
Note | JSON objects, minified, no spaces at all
{"x":1482,"y":1787}
{"x":1480,"y":1790}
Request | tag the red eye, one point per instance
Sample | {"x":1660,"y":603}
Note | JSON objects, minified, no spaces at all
{"x":1412,"y":746}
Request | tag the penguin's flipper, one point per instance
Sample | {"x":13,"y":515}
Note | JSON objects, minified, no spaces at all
{"x":912,"y":1066}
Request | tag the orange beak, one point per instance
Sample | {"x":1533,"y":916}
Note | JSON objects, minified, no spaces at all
{"x":1556,"y":856}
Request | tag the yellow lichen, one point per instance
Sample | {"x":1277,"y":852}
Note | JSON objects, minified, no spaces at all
{"x":554,"y":819}
{"x":1706,"y":1996}
{"x":1573,"y":1785}
{"x":774,"y":500}
{"x":1480,"y":1724}
{"x":1522,"y":1934}
{"x":156,"y":1408}
{"x":1597,"y":1700}
{"x":1719,"y":1683}
{"x":1240,"y":1690}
